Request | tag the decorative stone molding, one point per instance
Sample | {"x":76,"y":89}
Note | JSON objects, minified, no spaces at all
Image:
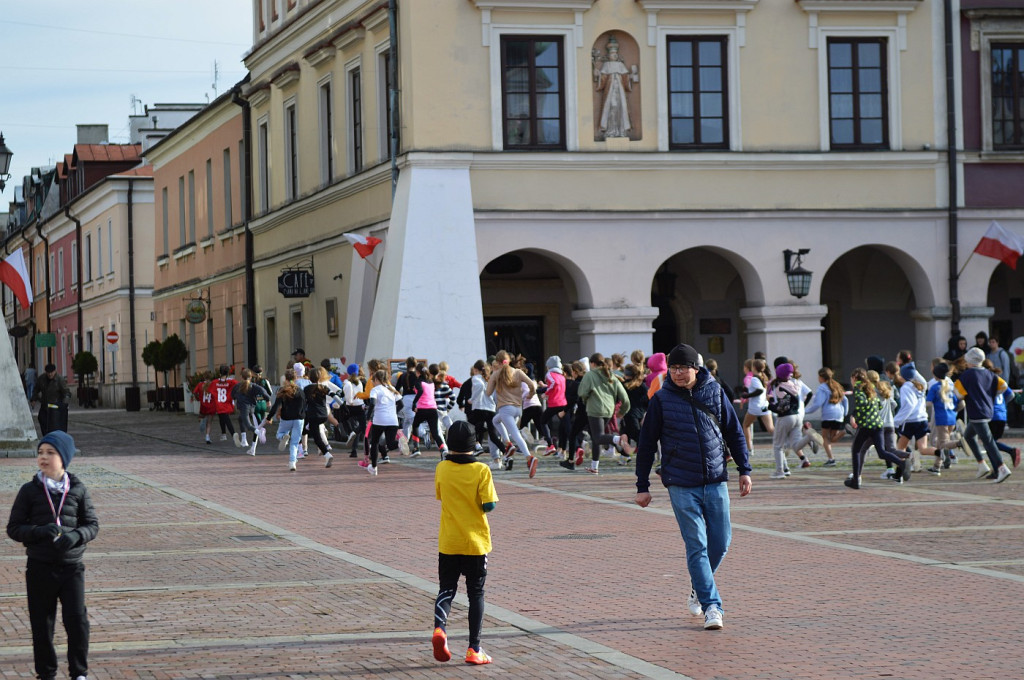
{"x":577,"y":7}
{"x":900,"y":7}
{"x":258,"y":94}
{"x":373,"y":21}
{"x":349,"y":37}
{"x":286,"y":76}
{"x":740,"y":7}
{"x":999,"y":21}
{"x":320,"y":55}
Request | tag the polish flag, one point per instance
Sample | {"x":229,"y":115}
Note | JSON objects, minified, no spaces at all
{"x":1001,"y":245}
{"x":364,"y":245}
{"x":14,"y":275}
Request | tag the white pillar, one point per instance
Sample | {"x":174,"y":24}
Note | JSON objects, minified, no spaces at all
{"x":786,"y":330}
{"x":422,"y":309}
{"x":974,"y":319}
{"x":17,"y":431}
{"x":610,"y":330}
{"x":931,"y":331}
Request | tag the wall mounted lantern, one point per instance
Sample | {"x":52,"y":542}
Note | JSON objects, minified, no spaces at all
{"x":798,"y":278}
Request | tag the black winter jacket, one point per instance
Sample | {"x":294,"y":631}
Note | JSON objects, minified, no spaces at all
{"x":31,"y":510}
{"x":693,"y":446}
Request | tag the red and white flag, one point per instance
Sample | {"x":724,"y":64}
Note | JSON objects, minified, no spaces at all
{"x":1001,"y":244}
{"x":14,"y":275}
{"x":364,"y":245}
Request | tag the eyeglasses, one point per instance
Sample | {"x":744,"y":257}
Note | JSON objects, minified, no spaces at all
{"x":681,"y":369}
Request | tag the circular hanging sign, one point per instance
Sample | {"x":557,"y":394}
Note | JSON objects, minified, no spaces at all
{"x":195,"y":311}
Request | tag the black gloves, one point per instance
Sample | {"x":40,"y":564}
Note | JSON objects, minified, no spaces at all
{"x":47,"y":532}
{"x":67,"y":540}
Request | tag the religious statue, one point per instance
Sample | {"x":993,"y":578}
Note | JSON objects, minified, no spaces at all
{"x":613,"y":78}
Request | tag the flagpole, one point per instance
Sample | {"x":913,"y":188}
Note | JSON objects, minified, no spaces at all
{"x":965,"y":264}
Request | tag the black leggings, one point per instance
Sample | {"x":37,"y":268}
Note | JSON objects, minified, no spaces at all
{"x":531,"y":414}
{"x":550,"y":413}
{"x":449,"y":569}
{"x":355,"y":420}
{"x":313,"y":430}
{"x":428,"y":416}
{"x":864,"y":439}
{"x":598,"y":436}
{"x":225,"y":423}
{"x":390,"y":433}
{"x":580,"y":422}
{"x":483,"y":422}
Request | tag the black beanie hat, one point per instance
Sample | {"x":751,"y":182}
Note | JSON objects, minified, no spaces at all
{"x":778,"y":361}
{"x":941,"y":370}
{"x":461,"y":437}
{"x":683,"y":355}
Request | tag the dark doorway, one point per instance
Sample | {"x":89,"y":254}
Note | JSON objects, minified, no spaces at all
{"x":516,"y":335}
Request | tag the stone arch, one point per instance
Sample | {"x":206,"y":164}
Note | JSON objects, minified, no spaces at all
{"x":528,"y":296}
{"x":699,"y":293}
{"x":877,"y":296}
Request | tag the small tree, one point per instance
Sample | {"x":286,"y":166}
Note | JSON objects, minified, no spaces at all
{"x":151,"y":357}
{"x":172,"y":354}
{"x":84,"y":364}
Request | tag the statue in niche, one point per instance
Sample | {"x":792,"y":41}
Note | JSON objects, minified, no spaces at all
{"x":614,"y":80}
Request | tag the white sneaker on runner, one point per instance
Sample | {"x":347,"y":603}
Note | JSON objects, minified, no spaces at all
{"x":693,"y":604}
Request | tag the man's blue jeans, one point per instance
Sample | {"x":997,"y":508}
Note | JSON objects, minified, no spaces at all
{"x":980,"y":430}
{"x":702,"y":513}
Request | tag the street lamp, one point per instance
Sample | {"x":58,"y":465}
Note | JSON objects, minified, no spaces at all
{"x":5,"y":162}
{"x":798,"y":278}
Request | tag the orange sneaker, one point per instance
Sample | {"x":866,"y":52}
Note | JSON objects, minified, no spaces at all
{"x":477,"y":658}
{"x":440,"y":642}
{"x":531,"y":465}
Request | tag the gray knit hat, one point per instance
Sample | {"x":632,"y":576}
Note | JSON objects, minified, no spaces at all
{"x":554,"y":361}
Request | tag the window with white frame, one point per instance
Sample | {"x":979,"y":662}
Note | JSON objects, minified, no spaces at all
{"x":698,"y":101}
{"x":182,"y":234}
{"x":60,"y":271}
{"x":99,"y":252}
{"x":209,"y":197}
{"x":291,"y":151}
{"x":191,"y":206}
{"x":165,"y":212}
{"x":384,"y":101}
{"x":858,"y":93}
{"x":326,"y":142}
{"x":110,"y":246}
{"x":262,"y":151}
{"x":229,"y":220}
{"x":74,"y":263}
{"x":1007,"y":100}
{"x":52,"y":277}
{"x":533,"y":92}
{"x":355,"y":117}
{"x":87,"y":257}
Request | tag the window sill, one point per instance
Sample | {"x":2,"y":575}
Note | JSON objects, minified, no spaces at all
{"x":226,"y":234}
{"x":162,"y":261}
{"x":184,"y":251}
{"x":1000,"y":156}
{"x":206,"y":243}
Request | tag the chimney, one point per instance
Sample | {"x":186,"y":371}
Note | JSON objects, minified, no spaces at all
{"x":92,"y":134}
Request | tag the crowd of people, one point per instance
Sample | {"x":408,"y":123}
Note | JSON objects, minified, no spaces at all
{"x":594,"y":407}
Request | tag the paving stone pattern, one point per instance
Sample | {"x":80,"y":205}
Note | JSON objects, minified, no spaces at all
{"x":214,"y":564}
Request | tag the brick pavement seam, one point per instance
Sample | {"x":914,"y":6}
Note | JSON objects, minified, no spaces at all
{"x":528,"y":625}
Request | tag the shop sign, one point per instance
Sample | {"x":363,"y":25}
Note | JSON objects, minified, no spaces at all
{"x":195,"y":311}
{"x":295,"y":283}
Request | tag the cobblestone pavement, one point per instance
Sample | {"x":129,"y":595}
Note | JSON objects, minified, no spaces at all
{"x":214,"y":564}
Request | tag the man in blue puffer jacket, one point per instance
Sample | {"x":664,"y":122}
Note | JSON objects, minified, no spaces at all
{"x":697,"y":427}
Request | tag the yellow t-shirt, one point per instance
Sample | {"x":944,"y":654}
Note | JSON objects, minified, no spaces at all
{"x":462,"y":489}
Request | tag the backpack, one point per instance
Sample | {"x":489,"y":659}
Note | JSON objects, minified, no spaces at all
{"x":782,"y":403}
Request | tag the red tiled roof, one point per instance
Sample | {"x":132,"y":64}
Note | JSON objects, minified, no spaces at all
{"x":107,"y":152}
{"x":137,"y":171}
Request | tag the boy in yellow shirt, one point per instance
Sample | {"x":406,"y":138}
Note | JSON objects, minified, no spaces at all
{"x":466,"y":492}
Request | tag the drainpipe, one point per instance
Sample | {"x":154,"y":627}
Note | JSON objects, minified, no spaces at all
{"x":250,"y":279}
{"x":393,"y":93}
{"x":951,"y":162}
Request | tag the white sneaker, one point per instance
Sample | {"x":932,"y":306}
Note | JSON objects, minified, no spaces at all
{"x":403,"y":443}
{"x":497,"y":464}
{"x":291,"y":466}
{"x":328,"y":459}
{"x":713,"y":618}
{"x":223,"y":437}
{"x":372,"y":470}
{"x":1004,"y":472}
{"x":983,"y":470}
{"x":351,"y":438}
{"x":693,"y":604}
{"x":252,"y":448}
{"x":245,"y":441}
{"x":238,"y":440}
{"x":887,"y":473}
{"x":282,"y":443}
{"x":778,"y":475}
